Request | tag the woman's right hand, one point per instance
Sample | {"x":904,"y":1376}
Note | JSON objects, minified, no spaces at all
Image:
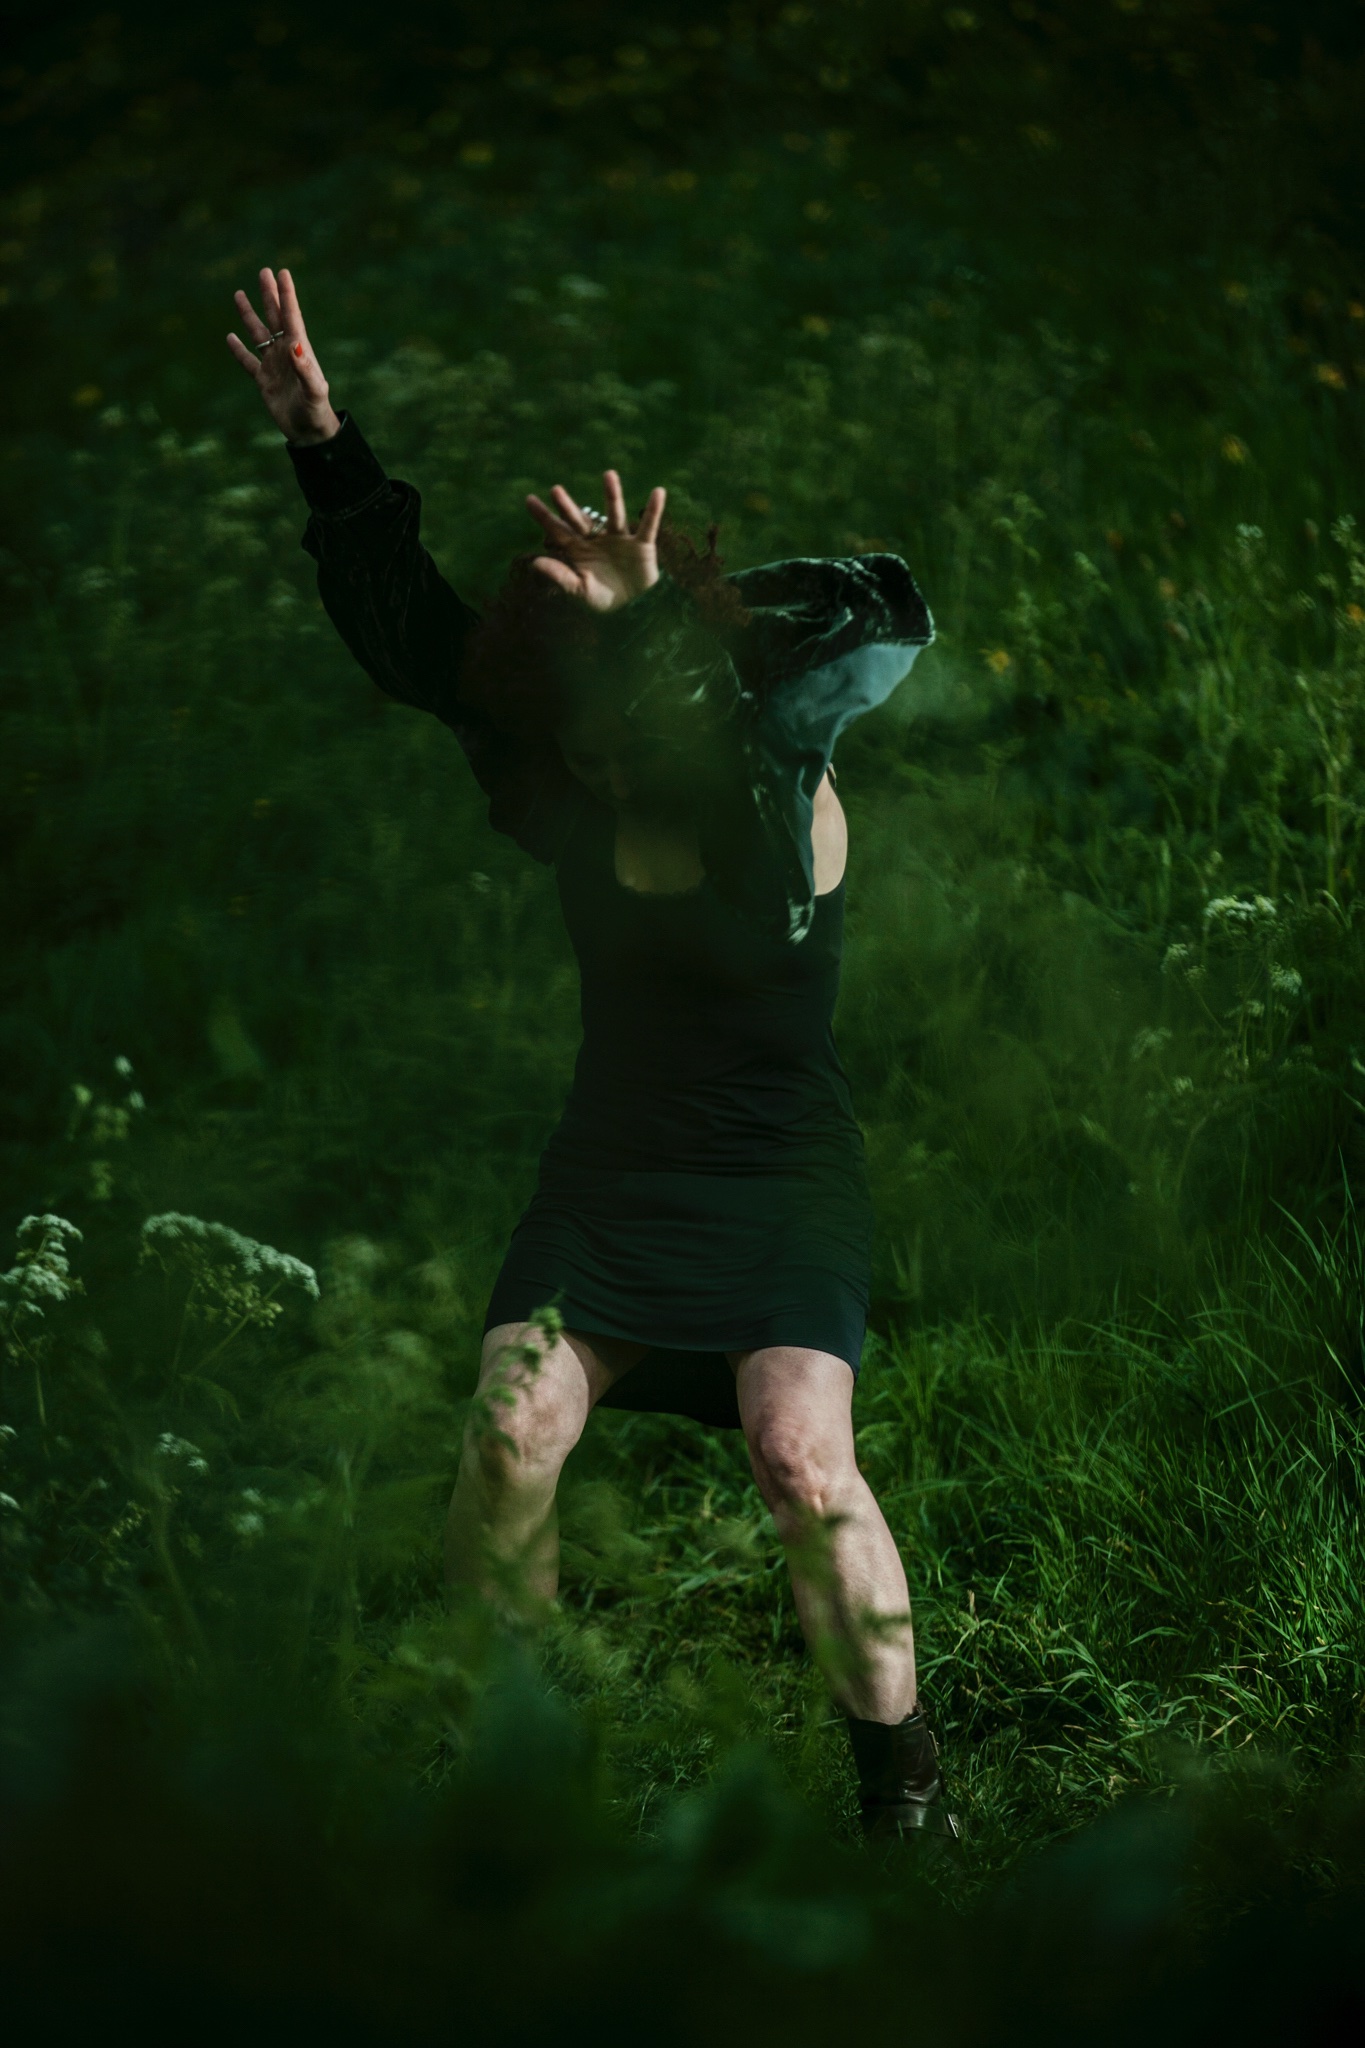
{"x":287,"y":373}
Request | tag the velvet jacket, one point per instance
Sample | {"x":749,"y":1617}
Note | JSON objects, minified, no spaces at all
{"x":827,"y":640}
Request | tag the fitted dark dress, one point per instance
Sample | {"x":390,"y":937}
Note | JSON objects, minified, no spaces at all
{"x":705,"y":1189}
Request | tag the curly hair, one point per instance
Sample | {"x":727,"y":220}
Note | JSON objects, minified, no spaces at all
{"x":534,"y":640}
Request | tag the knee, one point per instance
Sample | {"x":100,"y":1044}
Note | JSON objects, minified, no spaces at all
{"x":521,"y":1431}
{"x":797,"y":1469}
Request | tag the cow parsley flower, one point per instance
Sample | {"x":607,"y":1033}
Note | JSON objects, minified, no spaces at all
{"x":1240,"y":913}
{"x":40,"y":1277}
{"x":233,"y":1278}
{"x":170,"y":1446}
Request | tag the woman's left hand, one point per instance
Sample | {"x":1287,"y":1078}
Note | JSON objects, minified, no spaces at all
{"x":604,"y":565}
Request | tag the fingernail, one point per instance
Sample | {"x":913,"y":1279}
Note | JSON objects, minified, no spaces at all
{"x":298,"y":348}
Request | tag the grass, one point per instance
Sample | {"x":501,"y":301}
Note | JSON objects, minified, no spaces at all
{"x":265,"y":965}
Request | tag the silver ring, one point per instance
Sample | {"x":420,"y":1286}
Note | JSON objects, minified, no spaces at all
{"x":263,"y":345}
{"x":599,"y":519}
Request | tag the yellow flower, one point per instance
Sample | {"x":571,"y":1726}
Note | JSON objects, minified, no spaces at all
{"x":1330,"y":375}
{"x":1356,"y":614}
{"x":1354,"y":310}
{"x":814,"y":323}
{"x":1233,"y":449}
{"x":997,"y":659}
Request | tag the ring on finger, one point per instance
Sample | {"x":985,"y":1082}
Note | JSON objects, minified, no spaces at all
{"x":263,"y":345}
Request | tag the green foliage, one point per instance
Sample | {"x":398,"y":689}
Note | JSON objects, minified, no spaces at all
{"x":1027,"y":296}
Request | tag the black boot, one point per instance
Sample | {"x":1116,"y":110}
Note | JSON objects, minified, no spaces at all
{"x":900,"y":1787}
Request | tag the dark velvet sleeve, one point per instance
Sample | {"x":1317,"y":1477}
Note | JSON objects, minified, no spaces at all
{"x":408,"y":629}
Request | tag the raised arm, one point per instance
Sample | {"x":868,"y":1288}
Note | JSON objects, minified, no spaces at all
{"x":390,"y":603}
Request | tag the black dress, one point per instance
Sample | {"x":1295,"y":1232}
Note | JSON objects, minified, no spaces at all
{"x":705,"y":1189}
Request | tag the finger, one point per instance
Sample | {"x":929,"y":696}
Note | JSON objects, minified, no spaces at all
{"x":572,"y":511}
{"x":270,"y":300}
{"x":255,"y":326}
{"x":244,"y":355}
{"x":552,"y":524}
{"x":648,"y":529}
{"x":305,"y":366}
{"x":560,"y":573}
{"x":616,"y":503}
{"x":291,"y":316}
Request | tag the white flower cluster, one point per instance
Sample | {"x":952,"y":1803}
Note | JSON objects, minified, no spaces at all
{"x":1149,"y":1041}
{"x":1286,"y":981}
{"x":171,"y":1446}
{"x":251,"y":1520}
{"x":41,"y":1276}
{"x":258,"y":1262}
{"x":1239,"y":913}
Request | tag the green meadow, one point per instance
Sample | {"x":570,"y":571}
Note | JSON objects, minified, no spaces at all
{"x":1066,"y":305}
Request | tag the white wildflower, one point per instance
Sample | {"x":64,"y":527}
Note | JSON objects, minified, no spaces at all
{"x":1174,"y":957}
{"x":1286,"y":981}
{"x":257,"y":1262}
{"x":123,"y":1068}
{"x":40,"y":1278}
{"x":1182,"y":1085}
{"x":170,"y":1446}
{"x":248,"y":1525}
{"x":1240,"y":913}
{"x":1149,"y":1041}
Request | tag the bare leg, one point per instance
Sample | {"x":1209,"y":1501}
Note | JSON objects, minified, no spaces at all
{"x":534,"y":1396}
{"x":847,"y":1577}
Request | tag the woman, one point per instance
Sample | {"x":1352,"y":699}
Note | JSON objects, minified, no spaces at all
{"x":662,"y":735}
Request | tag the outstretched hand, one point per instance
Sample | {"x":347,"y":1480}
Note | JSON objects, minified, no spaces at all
{"x":605,"y":565}
{"x":288,"y":375}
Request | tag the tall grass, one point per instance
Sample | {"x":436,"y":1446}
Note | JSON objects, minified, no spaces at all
{"x":266,"y":966}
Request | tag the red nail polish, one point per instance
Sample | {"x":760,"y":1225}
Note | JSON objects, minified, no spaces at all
{"x":298,"y":348}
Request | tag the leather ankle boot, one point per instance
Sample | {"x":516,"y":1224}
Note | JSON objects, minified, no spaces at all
{"x":900,"y":1786}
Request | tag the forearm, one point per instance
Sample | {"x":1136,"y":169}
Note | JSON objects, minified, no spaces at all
{"x":390,"y":603}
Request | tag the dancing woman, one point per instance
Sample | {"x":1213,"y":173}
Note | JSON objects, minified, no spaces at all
{"x":661,"y":734}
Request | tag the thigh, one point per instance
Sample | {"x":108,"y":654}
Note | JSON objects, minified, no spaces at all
{"x":577,"y":1367}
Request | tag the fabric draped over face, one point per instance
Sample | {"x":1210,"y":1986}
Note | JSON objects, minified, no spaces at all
{"x":753,"y":712}
{"x":752,"y":717}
